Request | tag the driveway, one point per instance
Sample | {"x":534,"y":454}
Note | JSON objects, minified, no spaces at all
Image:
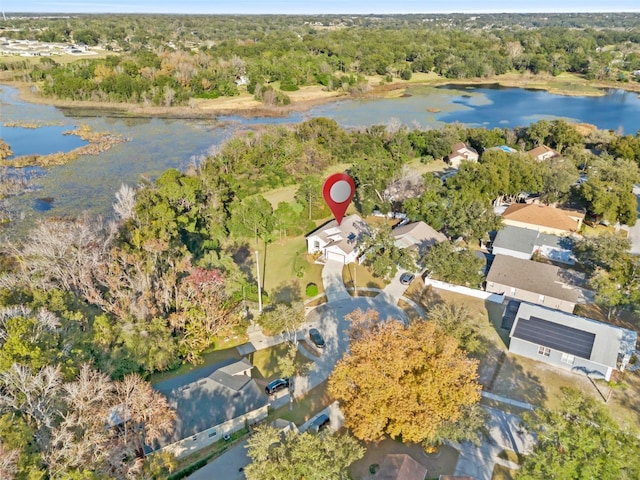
{"x":333,"y":283}
{"x":504,"y":434}
{"x":395,"y":290}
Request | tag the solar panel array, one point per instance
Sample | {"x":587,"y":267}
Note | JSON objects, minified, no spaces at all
{"x":555,"y":336}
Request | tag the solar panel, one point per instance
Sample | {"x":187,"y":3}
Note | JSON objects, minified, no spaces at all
{"x":555,"y":336}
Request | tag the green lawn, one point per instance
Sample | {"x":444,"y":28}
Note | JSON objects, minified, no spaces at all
{"x":363,"y":276}
{"x":265,"y":362}
{"x":306,"y":407}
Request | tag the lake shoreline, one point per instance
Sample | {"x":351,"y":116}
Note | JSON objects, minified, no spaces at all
{"x":308,"y":97}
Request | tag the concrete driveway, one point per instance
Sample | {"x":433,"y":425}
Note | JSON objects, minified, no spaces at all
{"x":395,"y":290}
{"x":504,"y":434}
{"x":332,"y":281}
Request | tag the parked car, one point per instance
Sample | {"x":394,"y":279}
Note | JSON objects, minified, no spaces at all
{"x":316,"y":337}
{"x":321,"y":422}
{"x":406,"y":278}
{"x":276,"y":385}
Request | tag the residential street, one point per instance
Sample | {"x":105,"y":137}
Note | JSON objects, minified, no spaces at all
{"x":504,"y":434}
{"x":634,"y":232}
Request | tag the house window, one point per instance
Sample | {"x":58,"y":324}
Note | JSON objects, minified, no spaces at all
{"x":546,"y":351}
{"x":569,"y":359}
{"x":541,"y":298}
{"x":513,"y":290}
{"x":316,"y":245}
{"x":212,"y":434}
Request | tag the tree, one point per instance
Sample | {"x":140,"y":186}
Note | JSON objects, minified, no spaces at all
{"x":292,"y":455}
{"x":605,"y":251}
{"x":579,"y":440}
{"x":283,"y":318}
{"x":309,"y":194}
{"x":251,"y":217}
{"x":404,"y":381}
{"x":383,"y":256}
{"x":608,"y":190}
{"x":452,"y":264}
{"x":456,"y":320}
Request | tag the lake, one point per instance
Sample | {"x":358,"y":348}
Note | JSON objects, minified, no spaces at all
{"x":89,"y":183}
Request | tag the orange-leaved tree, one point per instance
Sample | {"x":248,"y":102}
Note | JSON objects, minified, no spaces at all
{"x":404,"y":381}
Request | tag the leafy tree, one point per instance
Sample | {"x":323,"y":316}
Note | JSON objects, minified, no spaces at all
{"x":579,"y":440}
{"x":292,"y":455}
{"x":455,"y":265}
{"x":606,"y":251}
{"x":456,"y":320}
{"x":309,"y":194}
{"x":251,"y":217}
{"x":404,"y":381}
{"x":608,"y":190}
{"x":283,"y":318}
{"x":383,"y":256}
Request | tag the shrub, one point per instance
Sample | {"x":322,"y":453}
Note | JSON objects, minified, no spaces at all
{"x":312,"y":290}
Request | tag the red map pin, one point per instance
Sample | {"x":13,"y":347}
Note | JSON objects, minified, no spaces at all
{"x":338,"y":191}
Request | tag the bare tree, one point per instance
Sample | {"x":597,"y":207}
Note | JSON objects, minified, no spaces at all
{"x":34,"y":395}
{"x":8,"y":462}
{"x":125,"y":202}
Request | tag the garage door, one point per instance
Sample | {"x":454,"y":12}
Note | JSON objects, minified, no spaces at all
{"x":335,"y":257}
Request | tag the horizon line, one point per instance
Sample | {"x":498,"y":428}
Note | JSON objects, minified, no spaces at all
{"x":470,"y":12}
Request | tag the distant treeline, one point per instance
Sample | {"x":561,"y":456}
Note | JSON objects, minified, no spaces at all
{"x":167,"y":60}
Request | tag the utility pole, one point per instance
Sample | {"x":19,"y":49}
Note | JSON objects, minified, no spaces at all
{"x":259,"y":288}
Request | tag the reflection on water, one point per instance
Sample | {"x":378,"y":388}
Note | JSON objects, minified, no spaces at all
{"x":50,"y":139}
{"x":90,"y":182}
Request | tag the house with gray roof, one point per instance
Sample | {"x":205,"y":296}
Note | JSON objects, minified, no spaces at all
{"x":417,"y":236}
{"x":533,"y":282}
{"x":578,"y":344}
{"x":211,"y":402}
{"x":524,"y":242}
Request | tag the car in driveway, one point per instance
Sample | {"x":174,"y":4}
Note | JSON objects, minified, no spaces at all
{"x":406,"y":278}
{"x":322,"y":421}
{"x":276,"y":385}
{"x":316,"y":337}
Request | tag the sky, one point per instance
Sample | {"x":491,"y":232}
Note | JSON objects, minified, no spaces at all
{"x":317,"y":7}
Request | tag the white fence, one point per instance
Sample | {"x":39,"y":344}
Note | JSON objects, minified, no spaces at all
{"x":471,"y":292}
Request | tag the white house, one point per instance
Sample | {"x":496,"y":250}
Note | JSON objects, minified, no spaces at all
{"x":459,"y":153}
{"x":339,"y":242}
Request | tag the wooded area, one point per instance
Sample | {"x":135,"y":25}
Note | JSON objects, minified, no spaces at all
{"x":168,"y":60}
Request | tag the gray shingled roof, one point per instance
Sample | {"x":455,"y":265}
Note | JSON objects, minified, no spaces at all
{"x":516,"y":239}
{"x":608,"y":340}
{"x":531,"y":276}
{"x":207,"y":397}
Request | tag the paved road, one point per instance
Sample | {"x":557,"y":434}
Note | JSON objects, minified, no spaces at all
{"x":329,"y":319}
{"x":227,"y":466}
{"x":504,"y":434}
{"x":634,"y":232}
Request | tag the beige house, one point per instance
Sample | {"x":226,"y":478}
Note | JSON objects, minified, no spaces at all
{"x":417,"y":236}
{"x":532,"y":282}
{"x":543,"y":153}
{"x":459,"y":153}
{"x":543,"y":218}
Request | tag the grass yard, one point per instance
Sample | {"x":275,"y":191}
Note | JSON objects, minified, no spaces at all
{"x":305,"y":407}
{"x":500,"y":472}
{"x":282,"y":194}
{"x":364,"y":278}
{"x":265,"y":362}
{"x":286,"y":270}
